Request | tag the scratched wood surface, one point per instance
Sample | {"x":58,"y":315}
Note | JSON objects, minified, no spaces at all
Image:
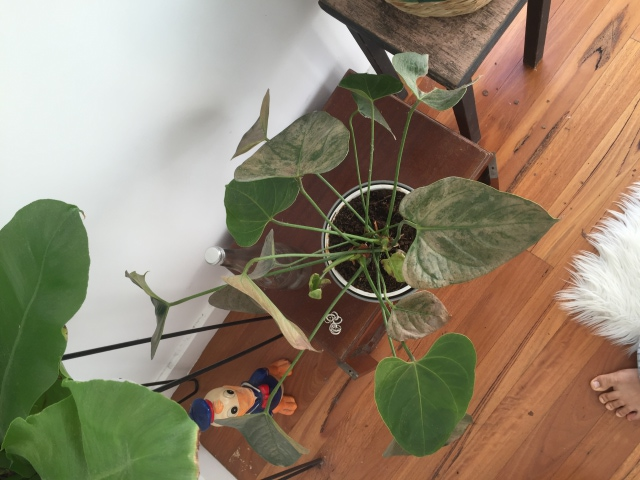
{"x":567,"y":135}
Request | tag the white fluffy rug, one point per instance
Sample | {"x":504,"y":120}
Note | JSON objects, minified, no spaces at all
{"x":604,"y":291}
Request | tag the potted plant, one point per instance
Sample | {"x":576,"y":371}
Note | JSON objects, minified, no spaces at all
{"x":50,"y":425}
{"x":461,"y":229}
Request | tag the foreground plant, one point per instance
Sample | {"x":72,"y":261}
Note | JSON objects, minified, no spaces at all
{"x":463,"y":229}
{"x":51,"y":426}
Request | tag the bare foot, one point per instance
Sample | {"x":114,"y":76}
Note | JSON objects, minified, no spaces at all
{"x":622,"y":392}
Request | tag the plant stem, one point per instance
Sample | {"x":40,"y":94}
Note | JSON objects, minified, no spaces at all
{"x":313,"y":334}
{"x":399,"y":161}
{"x":345,"y":203}
{"x":191,"y":297}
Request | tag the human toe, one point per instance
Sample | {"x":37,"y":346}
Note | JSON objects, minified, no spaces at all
{"x":623,"y":411}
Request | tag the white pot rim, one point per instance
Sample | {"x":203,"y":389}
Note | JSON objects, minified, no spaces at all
{"x":335,"y":209}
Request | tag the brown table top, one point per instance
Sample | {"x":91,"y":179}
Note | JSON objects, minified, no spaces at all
{"x":456,"y":45}
{"x":432,"y":152}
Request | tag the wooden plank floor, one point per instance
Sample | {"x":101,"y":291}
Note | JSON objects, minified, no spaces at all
{"x":567,"y":135}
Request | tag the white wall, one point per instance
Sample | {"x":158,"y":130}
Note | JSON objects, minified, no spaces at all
{"x":131,"y":110}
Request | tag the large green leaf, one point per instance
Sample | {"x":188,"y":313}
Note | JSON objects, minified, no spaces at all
{"x":50,"y":441}
{"x":258,"y":132}
{"x":421,"y":402}
{"x":54,"y":394}
{"x":44,"y":272}
{"x":251,"y":206}
{"x":160,"y":306}
{"x":314,"y":143}
{"x":267,"y":438}
{"x":466,"y":229}
{"x":411,"y":66}
{"x":417,"y":315}
{"x":108,"y":429}
{"x":296,"y":337}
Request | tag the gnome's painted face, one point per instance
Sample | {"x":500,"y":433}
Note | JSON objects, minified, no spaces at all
{"x":228,"y":401}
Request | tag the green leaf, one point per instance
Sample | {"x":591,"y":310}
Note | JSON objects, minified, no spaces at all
{"x":394,"y":449}
{"x":161,"y":308}
{"x":251,"y":206}
{"x":228,"y":298}
{"x":315,"y":143}
{"x":155,"y":439}
{"x":258,"y":132}
{"x":54,"y":394}
{"x":296,"y":338}
{"x":393,"y":265}
{"x":51,"y":441}
{"x":44,"y":272}
{"x":366,"y":88}
{"x":417,"y":315}
{"x":87,"y":435}
{"x":266,"y":437}
{"x":262,"y":267}
{"x":412,"y":66}
{"x":371,"y":86}
{"x":466,"y":229}
{"x":316,"y":284}
{"x":422,"y":402}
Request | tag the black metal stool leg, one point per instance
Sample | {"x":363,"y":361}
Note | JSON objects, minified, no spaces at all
{"x":536,"y":31}
{"x":467,"y":116}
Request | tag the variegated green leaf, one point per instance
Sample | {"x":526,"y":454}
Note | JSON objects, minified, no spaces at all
{"x":417,"y":315}
{"x":266,"y":437}
{"x":466,"y":229}
{"x":258,"y":132}
{"x":314,"y":143}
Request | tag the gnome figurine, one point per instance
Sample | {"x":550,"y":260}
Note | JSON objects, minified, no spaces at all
{"x":250,"y":397}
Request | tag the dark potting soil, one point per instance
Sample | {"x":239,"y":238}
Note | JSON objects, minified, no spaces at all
{"x":347,"y":222}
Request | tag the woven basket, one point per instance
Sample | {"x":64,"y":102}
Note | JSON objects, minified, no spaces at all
{"x":446,"y":8}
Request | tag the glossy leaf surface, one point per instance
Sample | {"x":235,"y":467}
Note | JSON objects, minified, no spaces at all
{"x":466,"y":229}
{"x":296,"y":338}
{"x":417,"y":315}
{"x":251,"y":206}
{"x":421,"y":402}
{"x":44,"y":272}
{"x":160,"y":306}
{"x":267,"y":438}
{"x":314,"y":143}
{"x":258,"y":132}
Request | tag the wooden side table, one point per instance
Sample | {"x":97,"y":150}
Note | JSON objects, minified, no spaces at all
{"x":456,"y":45}
{"x":432,"y":152}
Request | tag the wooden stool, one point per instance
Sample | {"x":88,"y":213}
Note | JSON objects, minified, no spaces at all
{"x":456,"y":45}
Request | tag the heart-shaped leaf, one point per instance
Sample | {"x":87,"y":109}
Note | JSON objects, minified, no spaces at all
{"x":366,"y":88}
{"x":251,"y":206}
{"x":291,"y":331}
{"x":434,"y":393}
{"x":161,"y":308}
{"x":412,"y":66}
{"x":466,"y":229}
{"x":258,"y":132}
{"x":417,"y":315}
{"x":314,"y":143}
{"x":267,"y":438}
{"x":87,"y":436}
{"x":394,"y":449}
{"x":228,"y":298}
{"x":44,"y":273}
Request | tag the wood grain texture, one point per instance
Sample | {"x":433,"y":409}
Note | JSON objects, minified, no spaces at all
{"x":571,"y":143}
